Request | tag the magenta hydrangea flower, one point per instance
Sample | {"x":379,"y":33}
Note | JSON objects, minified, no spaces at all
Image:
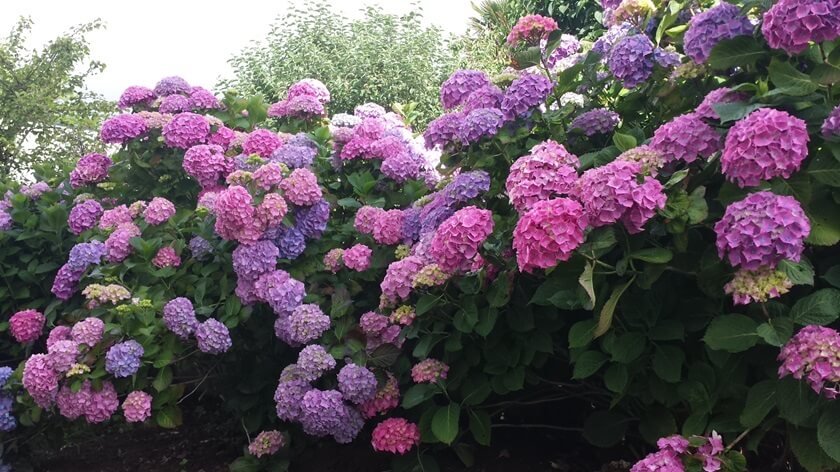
{"x":63,"y":354}
{"x":118,"y":244}
{"x":648,"y":197}
{"x":387,"y":227}
{"x":166,"y":257}
{"x":665,"y":460}
{"x":102,"y":404}
{"x":387,"y":398}
{"x":171,"y":85}
{"x":365,"y":219}
{"x":540,"y":175}
{"x":269,"y":175}
{"x":548,"y":233}
{"x":72,"y":405}
{"x":301,"y":187}
{"x":266,"y":443}
{"x":158,"y":211}
{"x":313,"y":361}
{"x":333,"y":260}
{"x":90,"y":169}
{"x":26,"y":325}
{"x":356,"y":383}
{"x":40,"y":380}
{"x":530,"y":30}
{"x":203,"y":99}
{"x":686,"y":138}
{"x":455,"y":90}
{"x":357,"y":257}
{"x":88,"y":331}
{"x":596,"y":121}
{"x":179,"y":317}
{"x":84,"y":216}
{"x":481,"y":123}
{"x":395,"y":435}
{"x":59,"y":333}
{"x":307,"y":323}
{"x":758,"y":285}
{"x":631,"y":60}
{"x":403,"y":166}
{"x":235,"y":215}
{"x":123,"y":359}
{"x":606,"y":192}
{"x":185,"y":130}
{"x":137,"y":407}
{"x":456,"y":241}
{"x":791,"y":24}
{"x":271,"y":211}
{"x":396,"y":285}
{"x":309,"y":87}
{"x":831,"y":126}
{"x":706,"y":29}
{"x":524,"y":94}
{"x":282,"y":292}
{"x":136,"y":95}
{"x":716,"y":96}
{"x":767,"y":143}
{"x":175,"y":104}
{"x":488,"y":96}
{"x":444,"y":130}
{"x":814,"y":355}
{"x":303,"y":106}
{"x":123,"y":128}
{"x":261,"y":142}
{"x":762,"y":230}
{"x":429,"y":371}
{"x":212,"y":337}
{"x":208,"y":164}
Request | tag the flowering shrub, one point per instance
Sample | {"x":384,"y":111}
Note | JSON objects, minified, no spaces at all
{"x":671,"y":258}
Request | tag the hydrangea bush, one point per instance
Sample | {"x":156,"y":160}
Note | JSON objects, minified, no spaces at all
{"x":648,"y":221}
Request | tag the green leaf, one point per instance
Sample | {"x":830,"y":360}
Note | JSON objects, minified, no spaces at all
{"x":245,"y":464}
{"x":797,"y":402}
{"x":667,"y":363}
{"x":604,"y":428}
{"x":826,"y":74}
{"x":616,"y":377}
{"x":800,"y":273}
{"x":417,"y":394}
{"x":169,"y":417}
{"x":810,"y":455}
{"x":467,"y":317}
{"x":425,"y":303}
{"x":588,"y":363}
{"x":486,"y":322}
{"x":743,"y":51}
{"x":788,"y":80}
{"x":445,"y":423}
{"x":732,"y":333}
{"x":500,"y":289}
{"x":628,"y":347}
{"x":658,"y":422}
{"x":676,"y":178}
{"x":825,"y":169}
{"x":828,"y":432}
{"x":734,"y":111}
{"x":581,"y":333}
{"x":480,"y":426}
{"x":623,"y":141}
{"x":586,"y":282}
{"x":654,"y":255}
{"x":825,"y":226}
{"x":760,"y":400}
{"x":607,"y":311}
{"x":832,"y":276}
{"x":163,"y":379}
{"x":777,"y":331}
{"x":821,"y":307}
{"x":384,"y":355}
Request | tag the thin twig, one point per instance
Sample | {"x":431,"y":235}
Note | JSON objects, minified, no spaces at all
{"x":738,"y":439}
{"x":198,"y":385}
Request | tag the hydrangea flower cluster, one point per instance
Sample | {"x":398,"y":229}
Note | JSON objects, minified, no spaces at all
{"x":166,"y":257}
{"x":524,"y":94}
{"x":306,"y":323}
{"x":455,"y":91}
{"x":179,"y":317}
{"x":136,"y":96}
{"x":123,"y":128}
{"x":185,"y":130}
{"x":767,"y":143}
{"x":208,"y":164}
{"x":357,"y":257}
{"x":97,"y":294}
{"x":456,"y":241}
{"x":631,"y":60}
{"x":304,"y":99}
{"x":429,"y":371}
{"x":137,"y":407}
{"x":791,"y":24}
{"x":26,"y":325}
{"x":395,"y":435}
{"x":761,"y":230}
{"x":212,"y":337}
{"x":90,"y":169}
{"x":530,"y":30}
{"x":82,"y":256}
{"x":706,"y":29}
{"x":673,"y":449}
{"x":84,"y":216}
{"x":813,"y":354}
{"x":649,"y":159}
{"x":686,"y":138}
{"x":718,"y":96}
{"x":123,"y":359}
{"x":89,"y":331}
{"x":356,"y":383}
{"x":757,"y":285}
{"x":596,"y":121}
{"x":548,"y":233}
{"x":266,"y":443}
{"x":158,"y":211}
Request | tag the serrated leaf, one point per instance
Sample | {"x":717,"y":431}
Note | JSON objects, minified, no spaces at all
{"x":790,"y":81}
{"x":417,"y":394}
{"x":732,"y":333}
{"x":445,"y":423}
{"x":588,"y":363}
{"x":828,"y":432}
{"x":742,"y":51}
{"x":480,"y":426}
{"x":821,"y":307}
{"x":761,"y":398}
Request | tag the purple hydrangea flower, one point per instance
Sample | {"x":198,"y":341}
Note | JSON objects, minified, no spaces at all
{"x":686,"y":138}
{"x":123,"y":128}
{"x":90,"y":169}
{"x":280,"y":291}
{"x":613,"y":35}
{"x":311,"y":221}
{"x":356,"y":383}
{"x":524,"y":94}
{"x":403,"y":166}
{"x":705,"y":30}
{"x":212,"y":337}
{"x":291,"y":242}
{"x":179,"y":317}
{"x":460,"y":85}
{"x":136,"y":95}
{"x":716,"y":96}
{"x":467,"y":186}
{"x":252,"y":260}
{"x":313,"y":361}
{"x":831,"y":126}
{"x":596,"y":121}
{"x":186,"y":130}
{"x":481,"y":123}
{"x":307,"y":323}
{"x":322,"y":412}
{"x":631,"y":60}
{"x":200,"y":248}
{"x":123,"y":359}
{"x":203,"y":99}
{"x":171,"y":85}
{"x":175,"y":104}
{"x":293,"y":156}
{"x":488,"y":96}
{"x":443,"y":130}
{"x":791,"y":24}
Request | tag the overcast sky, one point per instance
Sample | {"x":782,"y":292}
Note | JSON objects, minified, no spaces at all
{"x":144,"y":41}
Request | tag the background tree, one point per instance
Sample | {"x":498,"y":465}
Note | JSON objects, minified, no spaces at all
{"x":378,"y":58}
{"x":48,"y":118}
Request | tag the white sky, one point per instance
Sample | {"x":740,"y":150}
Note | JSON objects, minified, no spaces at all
{"x":149,"y":39}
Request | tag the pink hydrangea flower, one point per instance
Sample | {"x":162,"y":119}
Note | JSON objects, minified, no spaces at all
{"x":396,"y":285}
{"x":686,"y":138}
{"x":40,"y":380}
{"x":456,"y":241}
{"x":548,"y":233}
{"x":386,"y":399}
{"x":366,"y":217}
{"x":207,"y":164}
{"x":166,"y":257}
{"x":718,"y":96}
{"x":814,"y":355}
{"x":185,"y":130}
{"x":301,"y":187}
{"x":158,"y":211}
{"x":429,"y":371}
{"x":118,"y":244}
{"x":137,"y":407}
{"x":767,"y":143}
{"x":266,"y":443}
{"x":271,"y":211}
{"x":333,"y":260}
{"x":541,"y":175}
{"x":761,"y":230}
{"x":395,"y":435}
{"x":530,"y":30}
{"x":89,"y":331}
{"x":268,"y":176}
{"x":388,"y":227}
{"x":261,"y":142}
{"x":357,"y":257}
{"x":26,"y":325}
{"x":235,"y":215}
{"x":103,"y":403}
{"x":791,"y":24}
{"x":115,"y":217}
